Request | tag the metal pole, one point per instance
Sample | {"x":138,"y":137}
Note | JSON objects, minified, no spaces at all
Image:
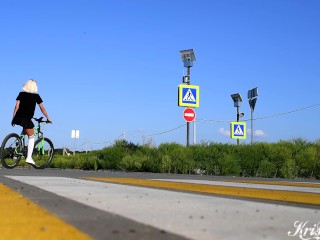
{"x":74,"y":151}
{"x":194,"y":132}
{"x":237,"y":121}
{"x":251,"y":126}
{"x":188,"y":124}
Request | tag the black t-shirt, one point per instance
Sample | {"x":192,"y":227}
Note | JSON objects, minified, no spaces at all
{"x":27,"y":105}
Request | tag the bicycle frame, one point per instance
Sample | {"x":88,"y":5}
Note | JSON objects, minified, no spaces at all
{"x":38,"y":134}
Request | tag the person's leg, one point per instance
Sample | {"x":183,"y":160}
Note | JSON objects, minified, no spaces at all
{"x":30,"y":133}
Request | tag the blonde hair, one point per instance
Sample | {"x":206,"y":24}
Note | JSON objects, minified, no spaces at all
{"x":30,"y":86}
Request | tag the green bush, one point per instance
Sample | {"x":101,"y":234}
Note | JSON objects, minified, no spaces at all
{"x":132,"y":163}
{"x":153,"y":161}
{"x":266,"y":169}
{"x":250,"y":156}
{"x":111,"y":157}
{"x":228,"y":166}
{"x":316,"y":171}
{"x":289,"y":168}
{"x":306,"y":160}
{"x":206,"y":156}
{"x":279,"y":155}
{"x":165,"y":164}
{"x":297,"y":158}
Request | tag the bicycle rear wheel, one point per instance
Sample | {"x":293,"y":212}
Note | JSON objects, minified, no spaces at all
{"x":42,"y":153}
{"x":11,"y":150}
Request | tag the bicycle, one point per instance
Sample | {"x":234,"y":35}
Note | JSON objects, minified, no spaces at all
{"x":14,"y":148}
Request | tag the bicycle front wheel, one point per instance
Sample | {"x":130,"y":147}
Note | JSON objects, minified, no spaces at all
{"x":42,"y":153}
{"x":11,"y":150}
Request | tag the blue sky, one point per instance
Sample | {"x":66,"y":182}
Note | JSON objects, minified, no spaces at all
{"x":105,"y":67}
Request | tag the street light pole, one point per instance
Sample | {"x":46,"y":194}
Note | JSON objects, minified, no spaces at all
{"x":238,"y":121}
{"x":237,"y":100}
{"x":251,"y":126}
{"x":188,"y":124}
{"x":187,"y":57}
{"x":252,"y":96}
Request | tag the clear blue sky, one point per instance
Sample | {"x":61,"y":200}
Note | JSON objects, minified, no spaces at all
{"x":104,"y":66}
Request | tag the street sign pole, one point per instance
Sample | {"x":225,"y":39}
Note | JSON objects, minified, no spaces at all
{"x":188,"y":124}
{"x":251,"y":126}
{"x":238,"y":121}
{"x":188,"y":57}
{"x":252,"y":96}
{"x":75,"y":134}
{"x":194,"y":132}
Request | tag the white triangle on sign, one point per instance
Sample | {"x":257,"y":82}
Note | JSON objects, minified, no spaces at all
{"x":189,"y":96}
{"x":238,"y":131}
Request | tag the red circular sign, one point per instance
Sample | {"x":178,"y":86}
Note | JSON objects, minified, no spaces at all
{"x":189,"y":114}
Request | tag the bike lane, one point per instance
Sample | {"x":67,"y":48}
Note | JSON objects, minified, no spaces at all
{"x":175,"y":211}
{"x":30,"y":212}
{"x":20,"y":218}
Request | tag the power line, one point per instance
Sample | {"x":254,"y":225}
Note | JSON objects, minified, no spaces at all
{"x":208,"y":121}
{"x":171,"y":130}
{"x":286,"y":113}
{"x":261,"y":118}
{"x":150,"y":135}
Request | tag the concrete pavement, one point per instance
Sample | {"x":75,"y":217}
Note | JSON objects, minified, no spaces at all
{"x":101,"y":206}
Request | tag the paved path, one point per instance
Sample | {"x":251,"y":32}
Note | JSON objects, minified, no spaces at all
{"x":72,"y":204}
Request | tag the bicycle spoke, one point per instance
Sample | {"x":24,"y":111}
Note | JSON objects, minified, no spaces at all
{"x":11,"y":151}
{"x":42,"y":153}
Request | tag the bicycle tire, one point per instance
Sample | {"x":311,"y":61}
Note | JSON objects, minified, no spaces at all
{"x":42,"y":153}
{"x":11,"y":150}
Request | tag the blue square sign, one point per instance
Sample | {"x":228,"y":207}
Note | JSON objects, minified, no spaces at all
{"x":188,"y":95}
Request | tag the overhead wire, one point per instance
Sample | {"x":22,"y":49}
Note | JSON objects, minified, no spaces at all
{"x":211,"y":121}
{"x":171,"y":130}
{"x":261,"y":118}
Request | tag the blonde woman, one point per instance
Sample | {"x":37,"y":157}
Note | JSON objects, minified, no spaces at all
{"x":24,"y":110}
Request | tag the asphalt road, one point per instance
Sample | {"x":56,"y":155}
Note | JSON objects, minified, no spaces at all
{"x":74,"y":204}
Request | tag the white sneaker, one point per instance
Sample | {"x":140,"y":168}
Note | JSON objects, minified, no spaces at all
{"x":30,"y":161}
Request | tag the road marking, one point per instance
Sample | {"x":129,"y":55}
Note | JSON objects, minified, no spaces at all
{"x":295,"y":184}
{"x":277,"y":195}
{"x":190,"y":215}
{"x":22,"y":219}
{"x":246,"y":185}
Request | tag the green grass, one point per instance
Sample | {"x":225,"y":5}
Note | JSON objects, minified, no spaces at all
{"x":296,"y":158}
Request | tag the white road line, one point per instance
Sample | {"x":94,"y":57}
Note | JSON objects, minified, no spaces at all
{"x":190,"y":215}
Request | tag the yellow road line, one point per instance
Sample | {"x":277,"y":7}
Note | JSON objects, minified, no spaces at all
{"x":277,"y":195}
{"x":22,"y":219}
{"x":294,"y":184}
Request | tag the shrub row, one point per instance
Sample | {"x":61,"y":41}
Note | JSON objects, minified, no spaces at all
{"x":297,"y":158}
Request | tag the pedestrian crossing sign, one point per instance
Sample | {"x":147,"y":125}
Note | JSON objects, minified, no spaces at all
{"x":188,"y":95}
{"x":238,"y":130}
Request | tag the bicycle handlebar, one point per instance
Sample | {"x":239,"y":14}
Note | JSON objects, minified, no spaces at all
{"x":39,"y":120}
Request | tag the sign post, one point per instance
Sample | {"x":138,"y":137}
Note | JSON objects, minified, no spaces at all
{"x":252,"y":96}
{"x":187,"y":98}
{"x":75,"y":134}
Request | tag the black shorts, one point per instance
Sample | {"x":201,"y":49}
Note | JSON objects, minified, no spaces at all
{"x":26,"y":123}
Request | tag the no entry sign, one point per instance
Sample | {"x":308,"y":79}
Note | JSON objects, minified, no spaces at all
{"x":189,"y":114}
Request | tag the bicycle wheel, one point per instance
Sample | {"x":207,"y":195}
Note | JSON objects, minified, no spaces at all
{"x":42,"y":153}
{"x":11,"y":150}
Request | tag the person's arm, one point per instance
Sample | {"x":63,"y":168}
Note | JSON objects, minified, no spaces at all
{"x":44,"y":111}
{"x":16,"y":107}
